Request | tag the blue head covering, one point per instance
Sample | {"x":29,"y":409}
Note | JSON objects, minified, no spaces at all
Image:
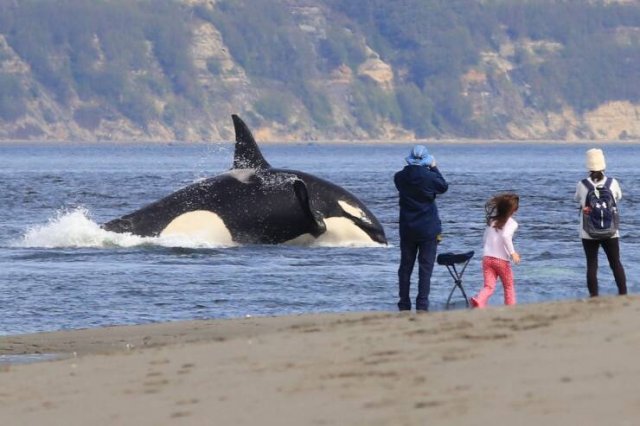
{"x":419,"y":156}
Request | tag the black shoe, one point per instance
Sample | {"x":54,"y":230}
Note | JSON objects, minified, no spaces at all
{"x":404,"y":305}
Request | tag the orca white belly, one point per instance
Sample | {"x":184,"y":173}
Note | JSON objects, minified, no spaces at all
{"x":340,"y":230}
{"x":201,"y":226}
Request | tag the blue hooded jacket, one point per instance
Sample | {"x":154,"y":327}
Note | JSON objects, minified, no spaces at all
{"x":418,"y":186}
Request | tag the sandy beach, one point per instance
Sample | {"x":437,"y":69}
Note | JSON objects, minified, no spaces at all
{"x":555,"y":363}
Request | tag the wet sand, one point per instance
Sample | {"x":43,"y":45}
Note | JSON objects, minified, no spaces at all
{"x":554,"y":363}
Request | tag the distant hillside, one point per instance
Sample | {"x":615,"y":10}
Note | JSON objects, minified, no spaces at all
{"x":319,"y":70}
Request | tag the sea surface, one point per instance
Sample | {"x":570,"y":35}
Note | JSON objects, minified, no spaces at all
{"x":60,"y":270}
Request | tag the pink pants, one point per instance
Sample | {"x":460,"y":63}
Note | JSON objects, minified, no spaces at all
{"x":492,"y":268}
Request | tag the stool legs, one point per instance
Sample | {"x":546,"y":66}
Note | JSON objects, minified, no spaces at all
{"x":457,"y":278}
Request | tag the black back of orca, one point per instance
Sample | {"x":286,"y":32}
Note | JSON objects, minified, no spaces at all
{"x":251,"y":212}
{"x":256,"y":203}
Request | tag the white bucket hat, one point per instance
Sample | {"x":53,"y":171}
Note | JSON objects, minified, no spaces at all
{"x":595,"y":160}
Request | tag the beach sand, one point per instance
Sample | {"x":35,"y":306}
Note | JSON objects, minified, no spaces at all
{"x":555,"y":363}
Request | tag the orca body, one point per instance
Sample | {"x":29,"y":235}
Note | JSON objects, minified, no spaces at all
{"x":254,"y":203}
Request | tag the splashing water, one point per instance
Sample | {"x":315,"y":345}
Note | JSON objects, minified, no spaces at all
{"x":76,"y":229}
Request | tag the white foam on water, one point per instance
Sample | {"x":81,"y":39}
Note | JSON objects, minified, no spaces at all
{"x":76,"y":229}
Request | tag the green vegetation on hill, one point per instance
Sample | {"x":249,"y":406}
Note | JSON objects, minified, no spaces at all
{"x":438,"y":40}
{"x":12,"y":104}
{"x":104,"y":51}
{"x":599,"y":60}
{"x":111,"y":58}
{"x":434,"y":41}
{"x":266,"y":41}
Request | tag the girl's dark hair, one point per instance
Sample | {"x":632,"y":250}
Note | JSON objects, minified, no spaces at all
{"x":500,"y":208}
{"x":596,"y":176}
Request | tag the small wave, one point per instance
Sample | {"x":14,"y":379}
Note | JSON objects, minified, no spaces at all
{"x":76,"y":229}
{"x":346,"y":244}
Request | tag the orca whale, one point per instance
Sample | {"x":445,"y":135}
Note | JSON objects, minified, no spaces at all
{"x":254,"y":203}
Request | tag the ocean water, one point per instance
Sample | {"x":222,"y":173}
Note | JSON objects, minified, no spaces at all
{"x":59,"y":270}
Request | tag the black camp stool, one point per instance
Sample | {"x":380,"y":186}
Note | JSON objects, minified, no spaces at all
{"x":450,"y":260}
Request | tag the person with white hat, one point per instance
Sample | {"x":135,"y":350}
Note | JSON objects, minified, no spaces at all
{"x":598,"y":196}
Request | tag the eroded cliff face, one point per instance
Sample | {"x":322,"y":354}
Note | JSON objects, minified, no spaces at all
{"x":500,"y":106}
{"x":614,"y":120}
{"x":503,"y":107}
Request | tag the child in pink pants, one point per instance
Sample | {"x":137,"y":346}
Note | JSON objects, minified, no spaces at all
{"x":498,"y":249}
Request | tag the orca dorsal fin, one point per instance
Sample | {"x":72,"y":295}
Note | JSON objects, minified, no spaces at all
{"x":247,"y":155}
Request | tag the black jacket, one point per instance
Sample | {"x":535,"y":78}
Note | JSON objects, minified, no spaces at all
{"x":418,"y":187}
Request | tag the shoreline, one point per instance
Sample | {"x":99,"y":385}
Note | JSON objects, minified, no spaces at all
{"x":561,"y":362}
{"x":447,"y":141}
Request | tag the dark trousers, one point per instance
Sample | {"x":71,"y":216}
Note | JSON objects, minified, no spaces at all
{"x":426,"y":253}
{"x":612,"y":250}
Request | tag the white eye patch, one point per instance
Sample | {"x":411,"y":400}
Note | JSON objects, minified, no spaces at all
{"x":354,"y":211}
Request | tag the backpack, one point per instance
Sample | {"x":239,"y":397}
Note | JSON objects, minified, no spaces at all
{"x":603,"y":220}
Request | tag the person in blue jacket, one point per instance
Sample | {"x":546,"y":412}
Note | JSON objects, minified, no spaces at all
{"x":418,"y":185}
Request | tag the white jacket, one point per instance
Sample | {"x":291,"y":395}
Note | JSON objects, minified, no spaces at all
{"x":498,"y":242}
{"x":581,"y":197}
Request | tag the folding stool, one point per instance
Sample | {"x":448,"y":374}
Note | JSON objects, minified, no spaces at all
{"x":450,"y":260}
